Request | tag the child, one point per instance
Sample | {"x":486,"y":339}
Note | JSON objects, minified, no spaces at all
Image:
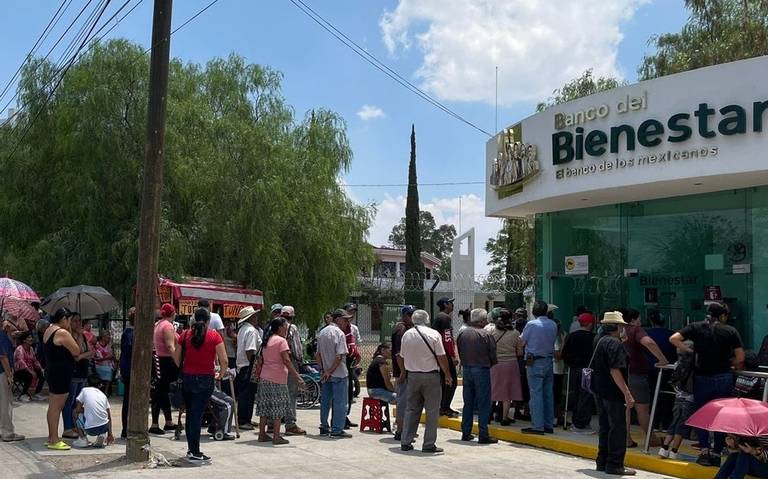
{"x":682,"y":381}
{"x":92,"y":415}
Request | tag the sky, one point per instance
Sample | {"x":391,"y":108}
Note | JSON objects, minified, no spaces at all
{"x":448,"y":48}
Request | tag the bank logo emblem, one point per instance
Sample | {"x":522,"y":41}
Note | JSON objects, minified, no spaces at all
{"x":515,"y":163}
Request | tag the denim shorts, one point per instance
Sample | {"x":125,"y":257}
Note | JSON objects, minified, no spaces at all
{"x":94,"y":431}
{"x":681,"y":412}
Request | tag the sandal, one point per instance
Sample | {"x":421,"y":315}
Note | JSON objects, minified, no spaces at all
{"x":265,"y":438}
{"x":59,"y":446}
{"x":278,"y":441}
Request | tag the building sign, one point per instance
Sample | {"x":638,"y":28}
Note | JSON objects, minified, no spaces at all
{"x":694,"y":132}
{"x":187,"y":307}
{"x":231,"y":310}
{"x":164,"y":294}
{"x":577,"y":265}
{"x":515,"y":163}
{"x":712,"y":293}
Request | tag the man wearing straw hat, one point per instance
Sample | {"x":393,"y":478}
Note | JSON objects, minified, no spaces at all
{"x":248,"y":343}
{"x":609,"y":384}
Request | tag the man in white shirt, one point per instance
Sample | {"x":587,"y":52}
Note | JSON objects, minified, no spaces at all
{"x":331,"y":355}
{"x":216,"y":323}
{"x":420,"y":359}
{"x":93,"y":415}
{"x":248,"y":344}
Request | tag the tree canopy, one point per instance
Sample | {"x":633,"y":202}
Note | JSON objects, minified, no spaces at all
{"x":579,"y":87}
{"x":717,"y":31}
{"x":413,"y":264}
{"x":251,"y":191}
{"x":437,"y":241}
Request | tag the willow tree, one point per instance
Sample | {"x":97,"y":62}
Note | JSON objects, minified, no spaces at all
{"x":251,"y":191}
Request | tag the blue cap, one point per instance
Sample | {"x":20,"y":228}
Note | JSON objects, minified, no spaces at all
{"x":407,"y":309}
{"x":350,"y":307}
{"x":444,"y":300}
{"x":276,"y":306}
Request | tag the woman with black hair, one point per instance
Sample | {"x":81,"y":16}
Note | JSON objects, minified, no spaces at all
{"x":378,"y":377}
{"x":79,"y":376}
{"x":29,"y":372}
{"x":61,"y":349}
{"x":272,"y":399}
{"x":198,"y":348}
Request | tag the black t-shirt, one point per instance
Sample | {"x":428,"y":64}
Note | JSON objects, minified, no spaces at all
{"x":397,"y":338}
{"x":609,"y":354}
{"x":373,"y":377}
{"x":577,"y":348}
{"x":714,"y":344}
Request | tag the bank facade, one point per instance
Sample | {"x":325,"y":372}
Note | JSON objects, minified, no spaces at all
{"x":652,"y":196}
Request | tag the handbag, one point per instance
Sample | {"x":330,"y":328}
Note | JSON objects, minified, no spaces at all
{"x":256,"y":364}
{"x":586,"y":373}
{"x":176,"y":388}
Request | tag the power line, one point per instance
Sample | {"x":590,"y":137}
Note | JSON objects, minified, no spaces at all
{"x":451,"y":183}
{"x":370,"y":58}
{"x":33,"y":49}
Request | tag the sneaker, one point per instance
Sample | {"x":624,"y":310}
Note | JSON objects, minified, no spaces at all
{"x":664,"y":453}
{"x":228,"y":436}
{"x":406,"y":447}
{"x":431,"y":450}
{"x":198,"y":458}
{"x":24,"y":399}
{"x":398,"y":436}
{"x":549,"y":430}
{"x":324,"y":431}
{"x":13,"y":438}
{"x":673,"y":455}
{"x":38,"y":397}
{"x":709,"y":460}
{"x":246,"y":427}
{"x":101,"y":440}
{"x":169,"y":427}
{"x":582,"y":430}
{"x":81,"y":442}
{"x":156,"y":430}
{"x":623,"y":471}
{"x":507,"y":422}
{"x":487,"y":440}
{"x":279,"y":441}
{"x":530,"y":430}
{"x":467,"y":437}
{"x":341,"y":435}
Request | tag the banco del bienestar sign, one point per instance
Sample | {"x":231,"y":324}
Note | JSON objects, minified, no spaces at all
{"x":639,"y":140}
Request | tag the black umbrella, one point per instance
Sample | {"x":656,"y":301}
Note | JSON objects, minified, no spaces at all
{"x":89,"y":301}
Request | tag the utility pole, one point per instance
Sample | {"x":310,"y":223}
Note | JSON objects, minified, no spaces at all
{"x":149,"y":233}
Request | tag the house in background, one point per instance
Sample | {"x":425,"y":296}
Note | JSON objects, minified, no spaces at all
{"x":390,"y":263}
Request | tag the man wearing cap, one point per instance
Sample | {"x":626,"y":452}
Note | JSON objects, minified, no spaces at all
{"x":538,"y":338}
{"x":352,"y":333}
{"x":577,"y":351}
{"x":297,"y":356}
{"x":331,"y":356}
{"x":401,"y":388}
{"x":443,"y":324}
{"x":421,"y":358}
{"x":248,"y":344}
{"x":612,"y":395}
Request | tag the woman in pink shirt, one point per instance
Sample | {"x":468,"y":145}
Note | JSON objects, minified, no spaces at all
{"x":272,"y":400}
{"x":165,"y":344}
{"x":29,"y":372}
{"x":104,"y":359}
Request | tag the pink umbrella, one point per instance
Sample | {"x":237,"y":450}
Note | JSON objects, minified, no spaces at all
{"x":10,"y":288}
{"x":745,"y":417}
{"x":21,"y":309}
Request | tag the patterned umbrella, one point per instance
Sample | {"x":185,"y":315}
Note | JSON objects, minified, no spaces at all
{"x":10,"y":288}
{"x":21,"y":309}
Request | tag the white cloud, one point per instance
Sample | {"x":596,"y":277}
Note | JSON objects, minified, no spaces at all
{"x":446,"y":211}
{"x":370,"y":112}
{"x":537,"y":45}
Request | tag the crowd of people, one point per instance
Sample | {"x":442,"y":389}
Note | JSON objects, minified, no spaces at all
{"x":512,"y":363}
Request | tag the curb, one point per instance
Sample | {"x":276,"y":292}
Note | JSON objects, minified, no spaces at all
{"x":645,"y":462}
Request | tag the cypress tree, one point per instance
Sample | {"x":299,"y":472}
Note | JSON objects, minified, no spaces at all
{"x":414,"y":283}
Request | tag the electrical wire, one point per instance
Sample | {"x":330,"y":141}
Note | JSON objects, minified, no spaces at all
{"x":44,"y":33}
{"x":368,"y":57}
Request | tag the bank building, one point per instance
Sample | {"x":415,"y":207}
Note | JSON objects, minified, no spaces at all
{"x":652,"y":196}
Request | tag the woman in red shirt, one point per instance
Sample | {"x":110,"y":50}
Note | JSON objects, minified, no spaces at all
{"x":199,"y":347}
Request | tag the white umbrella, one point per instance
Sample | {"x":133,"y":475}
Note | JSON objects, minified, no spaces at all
{"x":89,"y":301}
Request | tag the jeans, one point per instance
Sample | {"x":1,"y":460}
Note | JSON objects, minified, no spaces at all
{"x":477,"y":395}
{"x":705,"y":389}
{"x":75,"y":387}
{"x":739,"y":464}
{"x":382,"y":394}
{"x":333,"y":395}
{"x":612,"y":439}
{"x":197,"y":390}
{"x":169,"y":373}
{"x":541,"y":384}
{"x":448,"y":391}
{"x":246,"y":395}
{"x":583,"y":402}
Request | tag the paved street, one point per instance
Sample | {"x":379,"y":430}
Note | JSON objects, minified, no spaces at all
{"x":365,"y":455}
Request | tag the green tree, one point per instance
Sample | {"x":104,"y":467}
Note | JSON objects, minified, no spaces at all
{"x":251,"y":192}
{"x":579,"y":87}
{"x":717,"y":31}
{"x":437,"y":241}
{"x":511,"y":257}
{"x":414,"y":293}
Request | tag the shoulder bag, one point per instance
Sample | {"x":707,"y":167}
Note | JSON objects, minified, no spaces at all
{"x":586,"y":373}
{"x":428,"y":346}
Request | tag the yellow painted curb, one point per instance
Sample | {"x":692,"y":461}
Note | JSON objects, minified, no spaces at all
{"x":646,"y":462}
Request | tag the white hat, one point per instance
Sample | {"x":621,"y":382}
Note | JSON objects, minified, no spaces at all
{"x":551,"y":307}
{"x":613,"y":317}
{"x":288,"y":311}
{"x":245,"y":314}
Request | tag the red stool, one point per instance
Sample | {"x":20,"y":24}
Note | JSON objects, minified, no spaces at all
{"x":375,"y":416}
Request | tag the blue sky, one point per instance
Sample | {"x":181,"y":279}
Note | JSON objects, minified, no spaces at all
{"x":449,"y":47}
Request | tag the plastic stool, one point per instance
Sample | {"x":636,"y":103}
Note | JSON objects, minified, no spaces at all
{"x":375,"y":416}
